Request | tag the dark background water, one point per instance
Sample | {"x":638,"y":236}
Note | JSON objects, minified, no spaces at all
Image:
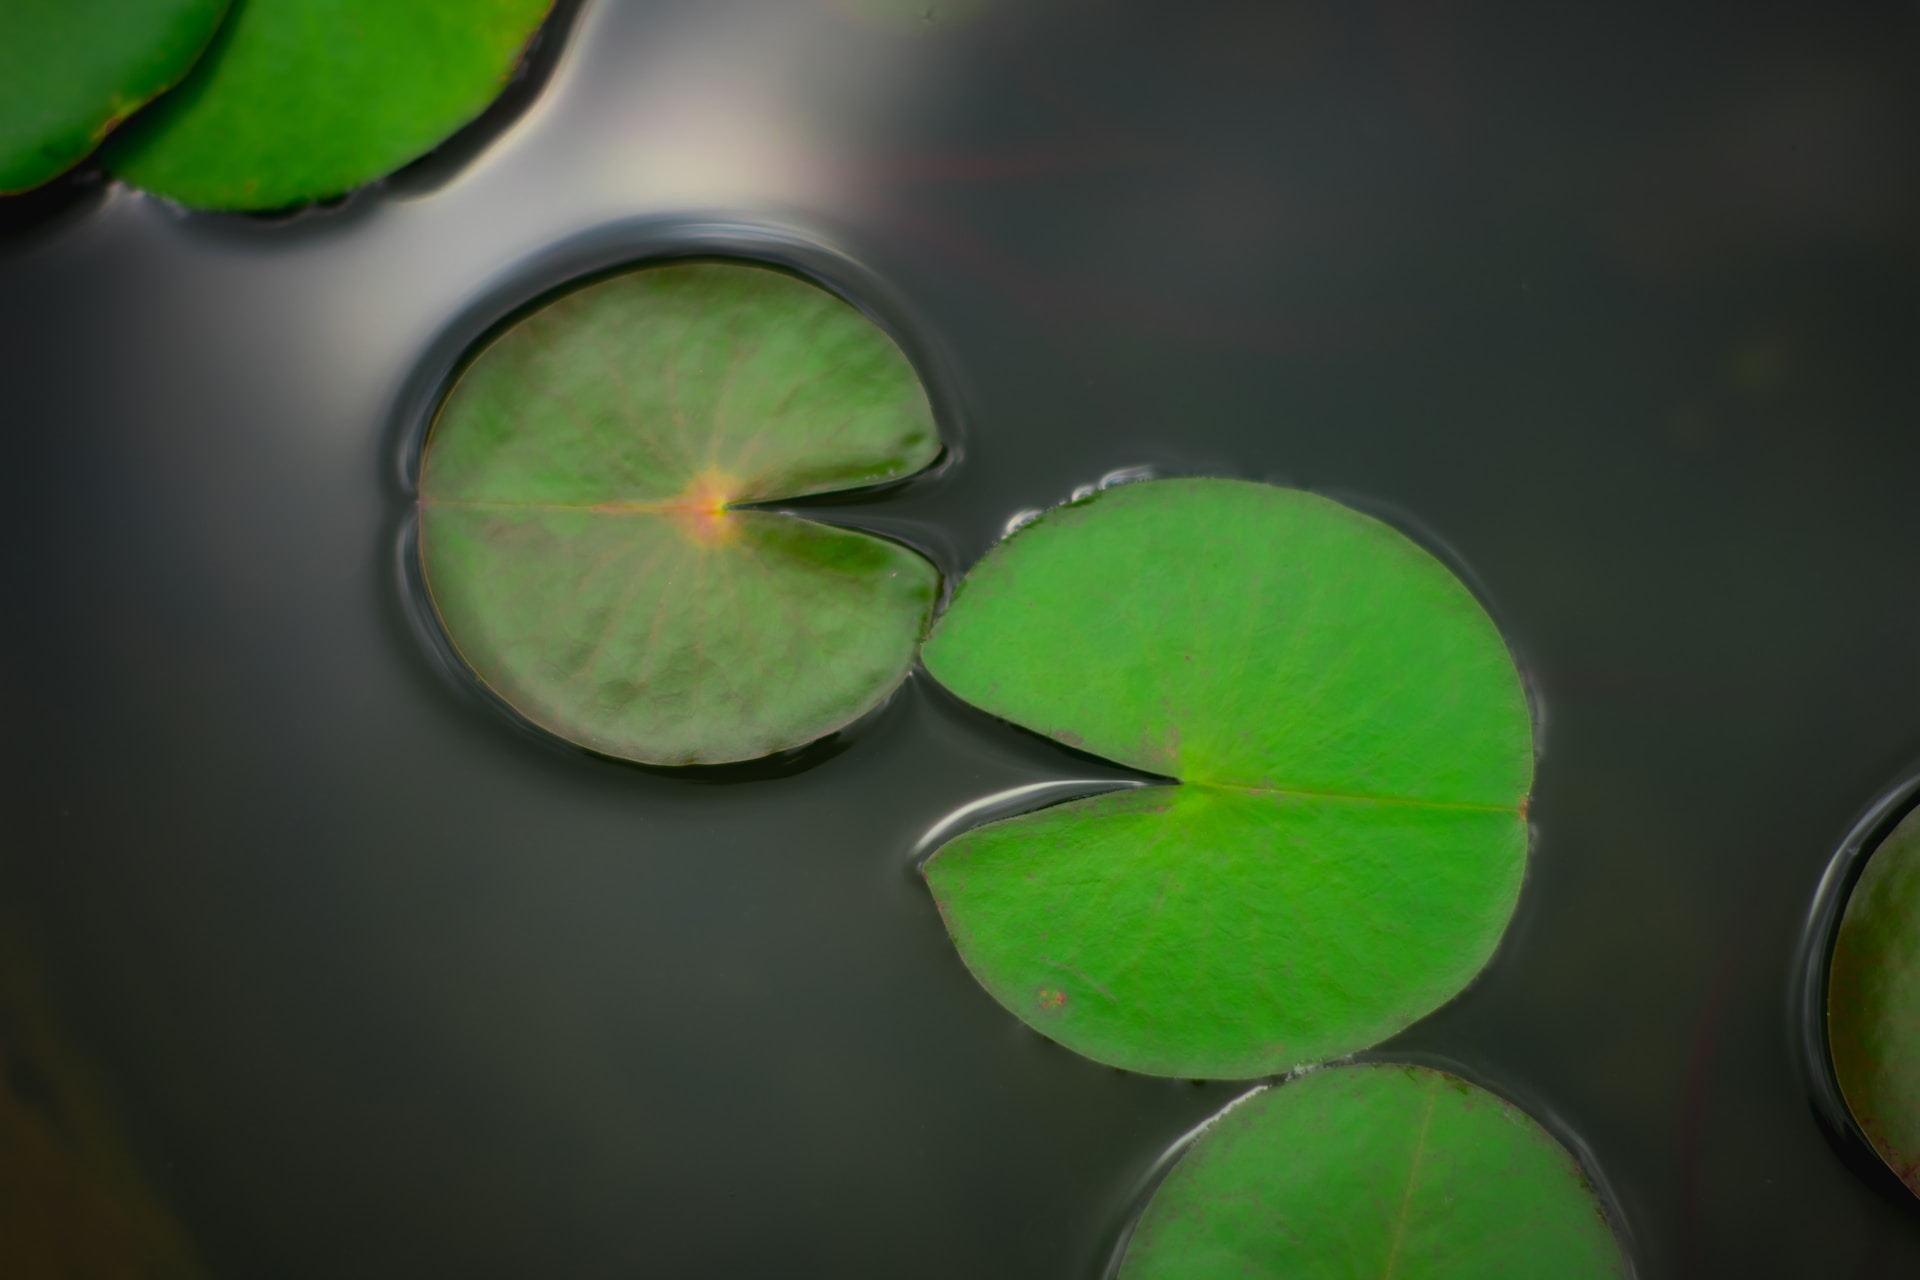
{"x":1617,"y":303}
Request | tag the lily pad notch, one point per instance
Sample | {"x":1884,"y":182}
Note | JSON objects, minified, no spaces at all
{"x":1353,"y":750}
{"x":594,"y":540}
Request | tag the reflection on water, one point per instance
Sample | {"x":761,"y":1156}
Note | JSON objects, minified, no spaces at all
{"x":73,"y":1200}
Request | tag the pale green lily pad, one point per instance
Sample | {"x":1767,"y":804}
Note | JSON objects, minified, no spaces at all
{"x":579,"y":525}
{"x":1354,"y":751}
{"x":1375,"y":1172}
{"x":302,"y":100}
{"x":1873,"y":1001}
{"x":70,"y":71}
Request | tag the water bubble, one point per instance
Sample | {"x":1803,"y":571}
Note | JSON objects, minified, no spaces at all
{"x":1125,"y":475}
{"x":1020,"y":520}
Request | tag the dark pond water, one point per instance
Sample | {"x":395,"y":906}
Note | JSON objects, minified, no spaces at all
{"x":1621,"y":306}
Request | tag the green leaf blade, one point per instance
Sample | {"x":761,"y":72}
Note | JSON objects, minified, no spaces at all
{"x":70,"y":72}
{"x":302,"y":100}
{"x":668,"y":652}
{"x":1203,"y":932}
{"x":1354,"y":748}
{"x":656,"y":377}
{"x":1873,"y":1001}
{"x":1375,"y":1172}
{"x":1282,"y":641}
{"x":579,"y":534}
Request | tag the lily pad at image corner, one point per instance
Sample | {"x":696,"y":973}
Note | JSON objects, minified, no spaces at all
{"x":1873,"y":1001}
{"x":580,"y":530}
{"x":1353,"y":749}
{"x":303,"y":100}
{"x":70,"y":72}
{"x":1379,"y":1171}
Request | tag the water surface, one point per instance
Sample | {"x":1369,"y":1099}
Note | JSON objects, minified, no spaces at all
{"x":1616,"y":311}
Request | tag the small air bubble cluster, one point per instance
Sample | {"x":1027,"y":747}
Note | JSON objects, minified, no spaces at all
{"x":1112,"y":479}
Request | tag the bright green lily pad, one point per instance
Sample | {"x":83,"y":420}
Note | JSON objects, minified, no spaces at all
{"x":71,"y":71}
{"x":1354,"y":750}
{"x":1375,"y":1172}
{"x":302,"y":100}
{"x":1873,"y":1001}
{"x":579,"y":524}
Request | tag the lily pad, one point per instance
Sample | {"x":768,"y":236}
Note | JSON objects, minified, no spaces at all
{"x":580,"y":525}
{"x":1353,"y":749}
{"x":1379,"y":1172}
{"x":302,"y":100}
{"x":1873,"y":1001}
{"x":70,"y":72}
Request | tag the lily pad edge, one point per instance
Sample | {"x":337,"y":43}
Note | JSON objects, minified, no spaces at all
{"x":1813,"y":970}
{"x":86,"y":164}
{"x":797,"y":248}
{"x":1547,"y":1118}
{"x":525,"y":82}
{"x":1064,"y":793}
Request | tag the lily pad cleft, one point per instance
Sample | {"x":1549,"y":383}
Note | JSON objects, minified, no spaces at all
{"x":585,"y":529}
{"x":1353,"y":751}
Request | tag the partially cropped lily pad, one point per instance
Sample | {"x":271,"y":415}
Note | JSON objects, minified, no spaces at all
{"x":1353,"y":748}
{"x":1375,"y":1172}
{"x":579,"y":523}
{"x":302,"y":100}
{"x":1873,"y":1001}
{"x":70,"y":71}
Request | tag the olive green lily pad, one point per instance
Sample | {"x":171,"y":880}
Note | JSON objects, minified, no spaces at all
{"x":1873,"y":1001}
{"x":1353,"y":748}
{"x":302,"y":100}
{"x":1375,"y":1172}
{"x":580,"y":529}
{"x":71,"y":71}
